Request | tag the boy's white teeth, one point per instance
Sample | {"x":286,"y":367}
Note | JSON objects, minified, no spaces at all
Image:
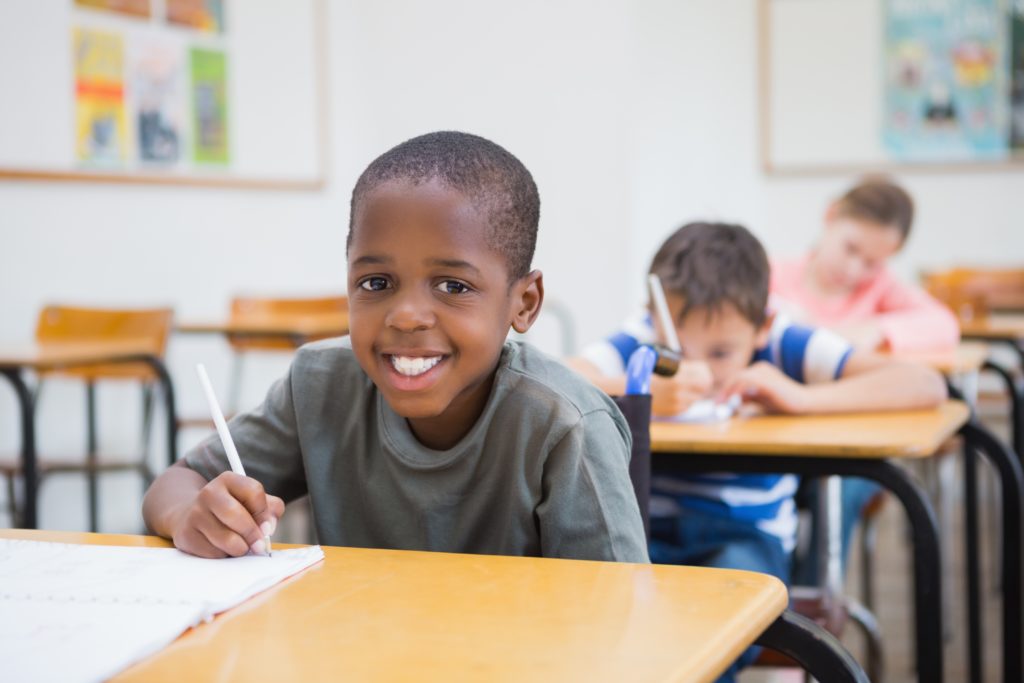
{"x":410,"y":366}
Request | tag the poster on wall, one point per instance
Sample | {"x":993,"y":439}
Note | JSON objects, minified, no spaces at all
{"x":1017,"y":75}
{"x":202,"y":15}
{"x":158,"y":100}
{"x":209,"y":106}
{"x":946,"y":78}
{"x":135,"y":8}
{"x":100,"y":122}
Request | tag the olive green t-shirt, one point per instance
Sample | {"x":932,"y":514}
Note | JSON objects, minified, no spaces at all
{"x":543,"y":472}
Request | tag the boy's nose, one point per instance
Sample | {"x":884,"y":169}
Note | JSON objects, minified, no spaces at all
{"x":410,"y":314}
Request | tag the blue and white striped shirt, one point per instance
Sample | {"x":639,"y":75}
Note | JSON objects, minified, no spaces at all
{"x":804,"y":354}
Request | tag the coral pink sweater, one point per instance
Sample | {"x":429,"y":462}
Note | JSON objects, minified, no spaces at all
{"x":910,"y":319}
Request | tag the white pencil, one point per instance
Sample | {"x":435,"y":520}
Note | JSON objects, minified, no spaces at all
{"x":222,"y":431}
{"x":661,"y":308}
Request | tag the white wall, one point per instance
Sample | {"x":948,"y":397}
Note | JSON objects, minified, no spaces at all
{"x":633,"y":117}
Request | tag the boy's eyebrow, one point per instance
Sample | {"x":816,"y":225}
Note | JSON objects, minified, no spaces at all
{"x":371,"y":260}
{"x":454,"y":263}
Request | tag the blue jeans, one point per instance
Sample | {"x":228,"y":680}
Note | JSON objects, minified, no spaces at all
{"x":705,"y":541}
{"x":856,"y":493}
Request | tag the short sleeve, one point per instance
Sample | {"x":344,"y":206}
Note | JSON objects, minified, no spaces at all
{"x":811,"y":355}
{"x":589,"y":510}
{"x":267,"y":442}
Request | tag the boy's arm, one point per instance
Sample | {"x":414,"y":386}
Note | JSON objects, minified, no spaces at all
{"x":589,"y":510}
{"x":670,"y":396}
{"x":208,"y":510}
{"x":869,"y":382}
{"x":908,"y":319}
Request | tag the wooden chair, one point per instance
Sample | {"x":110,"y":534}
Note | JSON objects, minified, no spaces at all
{"x":68,"y":325}
{"x":297,"y":314}
{"x":973,"y":293}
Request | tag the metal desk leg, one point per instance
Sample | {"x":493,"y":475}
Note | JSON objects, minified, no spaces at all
{"x":1016,"y":394}
{"x":30,"y":472}
{"x":813,"y":648}
{"x":167,"y":387}
{"x":1011,"y":482}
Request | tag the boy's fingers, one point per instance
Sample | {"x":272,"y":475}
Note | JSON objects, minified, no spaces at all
{"x":195,"y":543}
{"x":223,"y":538}
{"x":268,"y":518}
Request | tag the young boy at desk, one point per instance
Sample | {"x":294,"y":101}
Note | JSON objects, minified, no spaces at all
{"x":425,"y":429}
{"x":715,"y":278}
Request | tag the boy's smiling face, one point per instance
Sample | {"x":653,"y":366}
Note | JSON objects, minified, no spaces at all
{"x":430,"y":305}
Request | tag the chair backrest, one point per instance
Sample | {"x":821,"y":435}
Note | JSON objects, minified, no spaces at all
{"x":973,"y":293}
{"x":330,"y":310}
{"x":70,"y":324}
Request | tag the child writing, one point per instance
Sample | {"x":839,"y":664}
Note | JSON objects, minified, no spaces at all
{"x":424,"y":429}
{"x":716,"y":285}
{"x":843,"y":284}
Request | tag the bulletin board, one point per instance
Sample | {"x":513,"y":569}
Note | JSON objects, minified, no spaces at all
{"x":227,"y":93}
{"x":889,"y":85}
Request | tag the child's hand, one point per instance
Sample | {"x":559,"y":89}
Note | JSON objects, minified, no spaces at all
{"x":225,"y":518}
{"x":766,"y":385}
{"x":673,"y":395}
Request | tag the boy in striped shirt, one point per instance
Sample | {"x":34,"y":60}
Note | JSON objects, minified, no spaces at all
{"x":716,"y":284}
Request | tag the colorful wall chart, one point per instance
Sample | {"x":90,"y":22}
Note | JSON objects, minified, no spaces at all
{"x":100,"y":125}
{"x":209,"y":106}
{"x":946,"y":78}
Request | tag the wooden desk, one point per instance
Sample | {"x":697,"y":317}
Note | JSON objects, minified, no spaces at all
{"x":296,"y":329}
{"x":995,"y":327}
{"x":399,"y":615}
{"x":867,"y":446}
{"x":15,"y":360}
{"x":967,"y":357}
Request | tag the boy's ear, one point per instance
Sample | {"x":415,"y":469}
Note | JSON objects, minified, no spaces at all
{"x":764,"y":332}
{"x":527,"y":297}
{"x":831,"y":213}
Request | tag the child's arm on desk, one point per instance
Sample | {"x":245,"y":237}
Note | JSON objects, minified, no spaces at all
{"x":869,"y":382}
{"x":670,"y":396}
{"x":213,"y":519}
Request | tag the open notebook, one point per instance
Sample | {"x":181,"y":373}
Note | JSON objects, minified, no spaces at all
{"x":82,"y":613}
{"x":707,"y":411}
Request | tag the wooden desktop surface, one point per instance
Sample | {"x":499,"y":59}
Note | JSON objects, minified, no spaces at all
{"x":903,"y":434}
{"x":1005,"y":326}
{"x":401,"y":615}
{"x":65,"y":354}
{"x":300,"y":326}
{"x":967,"y":357}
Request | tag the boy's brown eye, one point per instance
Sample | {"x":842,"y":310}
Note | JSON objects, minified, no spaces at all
{"x":453,"y":287}
{"x":374,"y":284}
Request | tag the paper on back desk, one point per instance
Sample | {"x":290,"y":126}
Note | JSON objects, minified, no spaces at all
{"x":707,"y":410}
{"x":80,"y":613}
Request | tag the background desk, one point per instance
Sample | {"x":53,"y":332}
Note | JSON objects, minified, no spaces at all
{"x":15,"y":360}
{"x":394,"y":615}
{"x":850,"y":445}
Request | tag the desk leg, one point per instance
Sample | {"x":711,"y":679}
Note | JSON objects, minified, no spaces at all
{"x":30,"y":473}
{"x":167,"y":387}
{"x":1016,"y":394}
{"x":813,"y":648}
{"x":1011,"y":482}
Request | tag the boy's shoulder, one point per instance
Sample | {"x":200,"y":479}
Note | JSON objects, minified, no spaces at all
{"x":537,"y":380}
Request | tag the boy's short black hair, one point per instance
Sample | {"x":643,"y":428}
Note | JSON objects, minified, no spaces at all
{"x":493,"y":180}
{"x":713,"y":264}
{"x":879,"y":200}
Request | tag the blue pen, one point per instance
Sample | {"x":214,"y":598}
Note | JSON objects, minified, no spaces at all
{"x":639,"y":369}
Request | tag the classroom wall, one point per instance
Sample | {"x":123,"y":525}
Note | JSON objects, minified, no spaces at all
{"x":633,"y":118}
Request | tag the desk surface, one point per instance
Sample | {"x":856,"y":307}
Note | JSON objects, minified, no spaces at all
{"x":326,"y":325}
{"x":393,"y":615}
{"x":57,"y":355}
{"x":904,"y":434}
{"x":967,"y":357}
{"x":1003,"y":326}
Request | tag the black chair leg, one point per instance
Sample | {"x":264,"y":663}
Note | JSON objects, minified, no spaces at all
{"x":147,"y":432}
{"x":813,"y":648}
{"x":91,"y":455}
